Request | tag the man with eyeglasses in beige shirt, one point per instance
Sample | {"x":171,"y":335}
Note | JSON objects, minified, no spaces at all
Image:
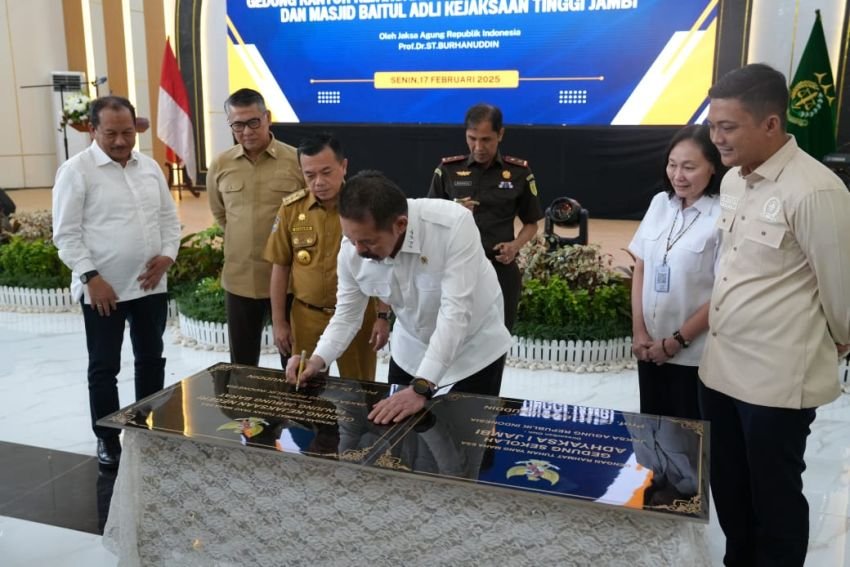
{"x":780,"y":306}
{"x":246,"y":185}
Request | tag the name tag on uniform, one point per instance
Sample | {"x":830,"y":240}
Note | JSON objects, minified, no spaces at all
{"x":662,"y":278}
{"x":728,"y":202}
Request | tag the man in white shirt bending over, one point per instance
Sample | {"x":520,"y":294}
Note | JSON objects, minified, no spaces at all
{"x":424,"y":259}
{"x":116,"y":227}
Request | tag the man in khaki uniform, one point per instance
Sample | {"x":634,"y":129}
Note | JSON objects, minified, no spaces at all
{"x":246,"y":185}
{"x":303,"y":249}
{"x":778,"y":309}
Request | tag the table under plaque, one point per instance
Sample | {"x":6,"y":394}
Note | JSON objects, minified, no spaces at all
{"x":232,"y":466}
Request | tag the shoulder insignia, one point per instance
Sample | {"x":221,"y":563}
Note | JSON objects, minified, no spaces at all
{"x":515,"y":161}
{"x":438,"y":172}
{"x":452,"y":159}
{"x":293,"y":197}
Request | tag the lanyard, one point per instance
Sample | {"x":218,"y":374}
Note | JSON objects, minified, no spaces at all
{"x":670,"y":240}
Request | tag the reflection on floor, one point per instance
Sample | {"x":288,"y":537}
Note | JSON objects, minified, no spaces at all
{"x":54,"y":487}
{"x":50,"y":487}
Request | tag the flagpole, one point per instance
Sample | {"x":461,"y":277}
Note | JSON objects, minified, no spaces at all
{"x":794,"y":39}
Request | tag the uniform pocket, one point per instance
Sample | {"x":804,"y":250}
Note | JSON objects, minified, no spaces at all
{"x":762,"y":245}
{"x":428,"y":281}
{"x":770,"y":235}
{"x":304,"y":239}
{"x":375,"y":288}
{"x":282,"y":185}
{"x":690,"y":256}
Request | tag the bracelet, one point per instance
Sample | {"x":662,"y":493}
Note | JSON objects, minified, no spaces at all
{"x":664,"y":348}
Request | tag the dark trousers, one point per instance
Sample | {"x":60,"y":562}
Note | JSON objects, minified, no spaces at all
{"x":246,"y":319}
{"x":669,"y":389}
{"x":104,"y":337}
{"x":756,"y":479}
{"x":487,"y":381}
{"x":510,"y":280}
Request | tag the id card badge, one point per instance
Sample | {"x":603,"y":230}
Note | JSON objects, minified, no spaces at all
{"x":662,"y":278}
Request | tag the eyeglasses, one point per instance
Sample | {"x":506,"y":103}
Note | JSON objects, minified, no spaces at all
{"x":253,"y":124}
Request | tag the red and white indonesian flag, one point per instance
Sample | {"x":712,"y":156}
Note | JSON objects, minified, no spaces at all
{"x":174,"y":118}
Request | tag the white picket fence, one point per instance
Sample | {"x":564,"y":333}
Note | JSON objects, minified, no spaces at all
{"x":213,"y":336}
{"x":36,"y":300}
{"x":572,"y":356}
{"x":24,"y":299}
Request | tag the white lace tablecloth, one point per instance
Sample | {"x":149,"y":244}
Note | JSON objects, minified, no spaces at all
{"x":180,"y":502}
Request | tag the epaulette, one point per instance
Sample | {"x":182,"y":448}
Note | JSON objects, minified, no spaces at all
{"x":515,"y":161}
{"x":452,"y":159}
{"x":293,"y":197}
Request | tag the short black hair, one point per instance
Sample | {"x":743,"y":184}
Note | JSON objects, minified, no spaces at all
{"x":372,"y":195}
{"x":760,"y":88}
{"x":698,"y":134}
{"x":112,"y":102}
{"x":483,"y":113}
{"x":243,"y":98}
{"x":316,"y":143}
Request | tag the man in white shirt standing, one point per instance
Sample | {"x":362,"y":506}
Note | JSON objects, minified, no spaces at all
{"x":424,"y":259}
{"x":116,"y":227}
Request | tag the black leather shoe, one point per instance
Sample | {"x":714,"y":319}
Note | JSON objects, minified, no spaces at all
{"x":108,"y":453}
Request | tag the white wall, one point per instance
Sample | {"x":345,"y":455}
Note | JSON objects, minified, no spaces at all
{"x":216,"y":80}
{"x":32,"y":44}
{"x":142,"y":100}
{"x":781,"y":28}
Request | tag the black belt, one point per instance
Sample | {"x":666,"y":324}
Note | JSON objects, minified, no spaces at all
{"x":326,"y":310}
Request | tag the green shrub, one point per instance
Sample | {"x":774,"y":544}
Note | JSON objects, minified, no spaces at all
{"x":33,"y":264}
{"x":200,"y":256}
{"x":553,"y":311}
{"x":204,"y":301}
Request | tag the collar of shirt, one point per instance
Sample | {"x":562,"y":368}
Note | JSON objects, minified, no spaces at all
{"x":412,"y":243}
{"x":101,"y":159}
{"x":775,"y":164}
{"x":312,"y":201}
{"x":271,"y":149}
{"x":703,"y":204}
{"x":470,"y":161}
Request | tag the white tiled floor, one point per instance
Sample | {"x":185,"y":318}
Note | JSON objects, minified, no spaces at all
{"x":43,"y":402}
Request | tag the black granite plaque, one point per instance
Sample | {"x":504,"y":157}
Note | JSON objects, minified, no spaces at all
{"x":640,"y":462}
{"x":636,"y":461}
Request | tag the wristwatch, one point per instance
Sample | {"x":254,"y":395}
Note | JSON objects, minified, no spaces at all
{"x":385,"y":315}
{"x":422,"y":387}
{"x":86,"y":277}
{"x":680,"y":339}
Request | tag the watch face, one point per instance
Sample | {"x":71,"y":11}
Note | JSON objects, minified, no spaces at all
{"x":421,"y":387}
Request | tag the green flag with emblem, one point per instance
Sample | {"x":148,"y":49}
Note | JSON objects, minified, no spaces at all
{"x":811,"y":107}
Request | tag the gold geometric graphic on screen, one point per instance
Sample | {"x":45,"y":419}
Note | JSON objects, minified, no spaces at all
{"x":676,"y":84}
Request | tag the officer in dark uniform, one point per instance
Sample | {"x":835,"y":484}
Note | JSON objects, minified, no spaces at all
{"x":497,"y":189}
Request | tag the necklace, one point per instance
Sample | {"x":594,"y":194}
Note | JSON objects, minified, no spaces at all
{"x":670,"y":239}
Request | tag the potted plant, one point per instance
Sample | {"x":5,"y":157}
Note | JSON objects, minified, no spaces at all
{"x":75,"y":113}
{"x":574,"y":311}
